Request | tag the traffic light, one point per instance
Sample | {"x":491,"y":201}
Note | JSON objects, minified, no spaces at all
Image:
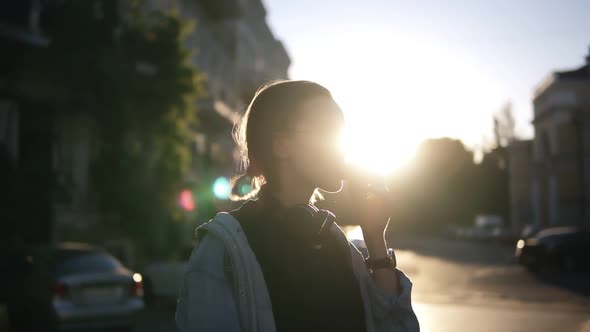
{"x":221,"y":188}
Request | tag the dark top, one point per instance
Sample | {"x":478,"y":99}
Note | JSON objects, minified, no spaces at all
{"x":309,"y":277}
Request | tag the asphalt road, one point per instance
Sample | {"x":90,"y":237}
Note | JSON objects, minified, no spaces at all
{"x":468,"y":286}
{"x":471,"y":287}
{"x":483,"y":318}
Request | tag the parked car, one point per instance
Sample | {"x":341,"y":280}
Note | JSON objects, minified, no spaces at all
{"x":504,"y":235}
{"x":83,"y":287}
{"x":488,"y":221}
{"x":484,"y":228}
{"x":563,"y":247}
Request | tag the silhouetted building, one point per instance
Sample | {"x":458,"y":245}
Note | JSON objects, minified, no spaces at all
{"x":234,"y":48}
{"x":20,"y":22}
{"x":561,"y":171}
{"x":25,"y":129}
{"x":236,"y":51}
{"x":520,"y":155}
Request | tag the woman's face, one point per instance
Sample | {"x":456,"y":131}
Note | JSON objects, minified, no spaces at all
{"x":316,"y":152}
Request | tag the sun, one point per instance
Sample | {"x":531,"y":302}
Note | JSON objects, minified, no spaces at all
{"x":380,"y":151}
{"x":398,"y":93}
{"x":391,"y":107}
{"x":380,"y":136}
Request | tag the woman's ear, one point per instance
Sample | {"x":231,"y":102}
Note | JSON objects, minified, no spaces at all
{"x":281,"y":147}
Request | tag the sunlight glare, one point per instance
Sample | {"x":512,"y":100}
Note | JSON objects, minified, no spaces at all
{"x":366,"y":148}
{"x":408,"y":93}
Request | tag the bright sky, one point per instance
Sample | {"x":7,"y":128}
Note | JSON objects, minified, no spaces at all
{"x":407,"y":70}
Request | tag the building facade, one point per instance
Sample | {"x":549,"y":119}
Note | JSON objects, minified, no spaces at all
{"x":560,"y":188}
{"x":25,"y":129}
{"x":234,"y":47}
{"x":236,"y":50}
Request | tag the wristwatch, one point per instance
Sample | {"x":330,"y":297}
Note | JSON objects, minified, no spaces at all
{"x":388,"y":262}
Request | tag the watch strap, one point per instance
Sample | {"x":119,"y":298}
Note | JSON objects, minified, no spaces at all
{"x":388,"y":262}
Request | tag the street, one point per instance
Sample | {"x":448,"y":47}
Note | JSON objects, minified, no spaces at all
{"x":475,"y":287}
{"x":466,"y":286}
{"x":484,"y":318}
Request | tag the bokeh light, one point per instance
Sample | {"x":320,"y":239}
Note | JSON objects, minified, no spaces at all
{"x":187,"y":201}
{"x":245,"y":189}
{"x":221,"y":188}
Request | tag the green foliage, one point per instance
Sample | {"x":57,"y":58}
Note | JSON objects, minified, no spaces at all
{"x":504,"y":126}
{"x":443,"y":187}
{"x":145,"y":132}
{"x":134,"y":76}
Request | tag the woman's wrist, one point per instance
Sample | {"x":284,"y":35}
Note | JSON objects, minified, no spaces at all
{"x":376,"y":245}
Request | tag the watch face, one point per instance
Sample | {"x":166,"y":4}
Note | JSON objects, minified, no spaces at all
{"x":388,"y":262}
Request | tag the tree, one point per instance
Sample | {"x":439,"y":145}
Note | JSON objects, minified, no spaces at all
{"x":444,"y":187}
{"x":134,"y":77}
{"x":492,"y":171}
{"x":438,"y":191}
{"x":492,"y":181}
{"x":146,"y":131}
{"x":504,"y":126}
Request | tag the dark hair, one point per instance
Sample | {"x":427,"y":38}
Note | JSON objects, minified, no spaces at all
{"x":274,"y":108}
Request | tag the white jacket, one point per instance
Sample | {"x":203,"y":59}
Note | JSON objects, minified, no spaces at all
{"x":224,"y":288}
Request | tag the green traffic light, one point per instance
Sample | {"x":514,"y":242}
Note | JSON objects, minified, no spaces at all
{"x":221,"y":188}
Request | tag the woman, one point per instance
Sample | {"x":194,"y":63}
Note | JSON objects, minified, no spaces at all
{"x":278,"y":263}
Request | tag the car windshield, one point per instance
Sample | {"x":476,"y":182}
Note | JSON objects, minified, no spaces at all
{"x":72,"y":262}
